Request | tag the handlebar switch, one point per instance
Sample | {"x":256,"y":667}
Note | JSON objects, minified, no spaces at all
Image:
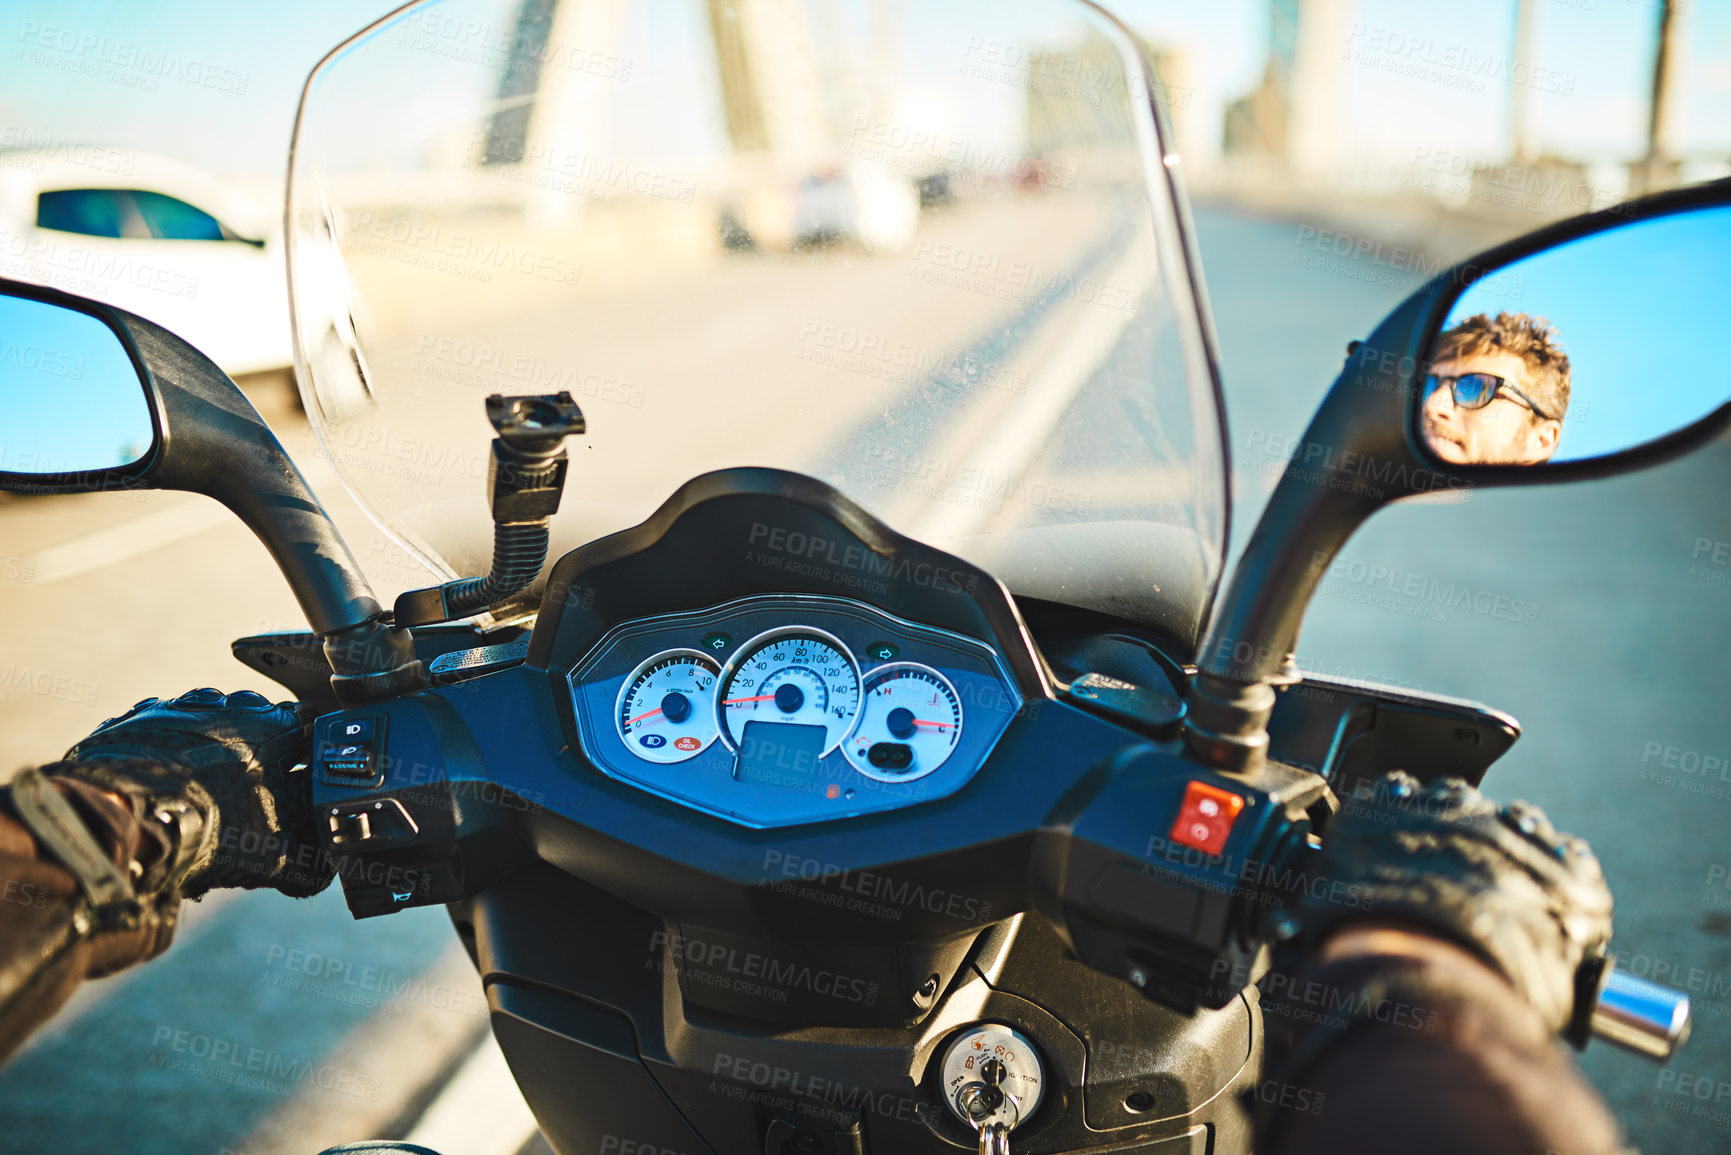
{"x":429,"y":827}
{"x":356,"y":824}
{"x":1165,"y":874}
{"x":349,"y":752}
{"x":1205,"y":817}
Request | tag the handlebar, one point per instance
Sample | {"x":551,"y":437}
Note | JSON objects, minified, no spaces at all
{"x":1641,"y":1016}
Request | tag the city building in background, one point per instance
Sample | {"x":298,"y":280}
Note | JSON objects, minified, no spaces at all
{"x":1296,"y":140}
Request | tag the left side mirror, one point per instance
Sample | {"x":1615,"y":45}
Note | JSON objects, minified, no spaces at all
{"x":93,"y":397}
{"x":75,"y":412}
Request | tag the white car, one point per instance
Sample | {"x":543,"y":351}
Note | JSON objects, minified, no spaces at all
{"x":858,"y":204}
{"x":154,"y":237}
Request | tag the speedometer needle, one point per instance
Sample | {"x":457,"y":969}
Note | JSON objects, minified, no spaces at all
{"x":758,"y":698}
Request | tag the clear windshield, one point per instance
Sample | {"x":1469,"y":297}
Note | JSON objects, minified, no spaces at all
{"x":924,"y":252}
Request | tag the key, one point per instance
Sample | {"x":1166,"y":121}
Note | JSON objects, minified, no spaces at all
{"x":989,"y":1109}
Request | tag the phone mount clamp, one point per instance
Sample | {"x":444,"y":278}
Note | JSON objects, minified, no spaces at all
{"x":525,"y":479}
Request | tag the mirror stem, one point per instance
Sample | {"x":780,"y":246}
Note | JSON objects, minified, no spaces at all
{"x":217,"y":444}
{"x":1353,"y":459}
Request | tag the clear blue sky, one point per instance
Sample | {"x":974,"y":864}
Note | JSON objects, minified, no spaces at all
{"x":1605,"y":46}
{"x":213,"y":124}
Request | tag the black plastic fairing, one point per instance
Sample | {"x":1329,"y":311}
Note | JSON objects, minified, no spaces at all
{"x":503,"y":738}
{"x":603,"y":1044}
{"x":765,"y":973}
{"x":938,"y":868}
{"x":1351,"y":732}
{"x":757,"y":530}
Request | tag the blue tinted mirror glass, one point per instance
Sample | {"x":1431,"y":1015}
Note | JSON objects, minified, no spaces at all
{"x":70,"y":398}
{"x":1584,"y":350}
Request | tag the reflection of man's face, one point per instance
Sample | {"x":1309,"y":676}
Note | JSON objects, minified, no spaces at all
{"x":1505,"y":432}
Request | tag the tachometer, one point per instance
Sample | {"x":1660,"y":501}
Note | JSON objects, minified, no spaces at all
{"x":795,"y":677}
{"x":910,"y":720}
{"x":667,"y":706}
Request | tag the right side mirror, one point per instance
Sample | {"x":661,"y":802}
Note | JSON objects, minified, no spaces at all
{"x":1578,"y":351}
{"x":1592,"y":348}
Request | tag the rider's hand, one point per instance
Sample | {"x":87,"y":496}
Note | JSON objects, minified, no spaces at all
{"x":170,"y":799}
{"x":231,"y":761}
{"x":1446,"y":860}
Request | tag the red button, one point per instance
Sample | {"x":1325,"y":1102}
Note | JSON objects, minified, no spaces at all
{"x":1205,"y":818}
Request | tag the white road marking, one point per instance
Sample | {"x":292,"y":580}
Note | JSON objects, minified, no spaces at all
{"x":187,"y":517}
{"x":118,"y":543}
{"x":1025,"y":429}
{"x":404,"y":1047}
{"x":479,"y":1112}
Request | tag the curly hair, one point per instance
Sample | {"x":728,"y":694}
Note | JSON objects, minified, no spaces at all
{"x":1533,"y":339}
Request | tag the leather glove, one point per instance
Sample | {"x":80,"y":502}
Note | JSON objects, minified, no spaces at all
{"x":230,"y":759}
{"x":1499,"y":881}
{"x":170,"y":799}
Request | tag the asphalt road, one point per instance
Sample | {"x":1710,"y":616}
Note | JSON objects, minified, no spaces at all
{"x":1620,"y":677}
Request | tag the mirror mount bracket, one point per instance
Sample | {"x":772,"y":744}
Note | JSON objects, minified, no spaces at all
{"x":373,"y":662}
{"x":1226,"y":723}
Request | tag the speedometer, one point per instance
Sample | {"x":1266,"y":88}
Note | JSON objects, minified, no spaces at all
{"x":796,"y":677}
{"x":666,"y":709}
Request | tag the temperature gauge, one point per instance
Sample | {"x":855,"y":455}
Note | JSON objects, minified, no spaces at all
{"x":667,"y":708}
{"x":910,"y":720}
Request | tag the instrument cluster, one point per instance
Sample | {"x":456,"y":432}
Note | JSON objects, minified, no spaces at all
{"x":784,"y":709}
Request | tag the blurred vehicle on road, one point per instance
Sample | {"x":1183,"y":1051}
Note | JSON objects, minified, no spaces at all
{"x":155,"y":237}
{"x":858,"y":204}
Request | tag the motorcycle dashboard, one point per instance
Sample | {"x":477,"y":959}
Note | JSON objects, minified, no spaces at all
{"x":785,"y":709}
{"x":789,"y":719}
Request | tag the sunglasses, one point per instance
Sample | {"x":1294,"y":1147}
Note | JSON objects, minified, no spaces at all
{"x":1476,"y":390}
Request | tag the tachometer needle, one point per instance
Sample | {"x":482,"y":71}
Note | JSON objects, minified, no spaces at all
{"x":645,"y":714}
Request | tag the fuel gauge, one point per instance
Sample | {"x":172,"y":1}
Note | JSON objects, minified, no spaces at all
{"x":910,"y":720}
